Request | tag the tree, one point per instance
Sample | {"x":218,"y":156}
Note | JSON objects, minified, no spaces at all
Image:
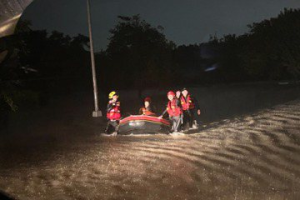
{"x":138,"y":55}
{"x":274,"y":47}
{"x":40,"y":63}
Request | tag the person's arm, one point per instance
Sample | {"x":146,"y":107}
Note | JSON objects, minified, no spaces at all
{"x":110,"y":106}
{"x":163,"y":114}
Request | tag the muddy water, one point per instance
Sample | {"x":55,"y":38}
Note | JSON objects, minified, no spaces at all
{"x":251,"y":157}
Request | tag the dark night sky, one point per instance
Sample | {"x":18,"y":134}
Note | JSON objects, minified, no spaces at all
{"x":185,"y":22}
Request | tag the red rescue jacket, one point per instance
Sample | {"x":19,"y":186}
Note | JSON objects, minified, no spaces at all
{"x":187,"y":103}
{"x":173,"y":108}
{"x":114,"y":111}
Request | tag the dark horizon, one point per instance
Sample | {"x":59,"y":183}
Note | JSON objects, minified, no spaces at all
{"x":183,"y":23}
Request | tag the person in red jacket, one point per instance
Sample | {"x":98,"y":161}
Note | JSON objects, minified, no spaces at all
{"x":174,"y":111}
{"x":189,"y":106}
{"x":113,"y":113}
{"x":147,"y":109}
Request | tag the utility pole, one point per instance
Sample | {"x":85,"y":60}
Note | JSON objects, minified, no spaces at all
{"x":96,"y":112}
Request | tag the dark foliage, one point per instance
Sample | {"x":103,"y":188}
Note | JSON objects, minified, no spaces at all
{"x":39,"y":65}
{"x":139,"y":56}
{"x":270,"y":51}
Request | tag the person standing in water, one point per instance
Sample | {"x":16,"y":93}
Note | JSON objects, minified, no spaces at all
{"x":113,"y":113}
{"x":147,"y":109}
{"x":189,"y":106}
{"x":178,"y":96}
{"x":174,"y":111}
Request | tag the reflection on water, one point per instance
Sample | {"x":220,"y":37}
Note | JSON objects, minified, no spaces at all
{"x":254,"y":157}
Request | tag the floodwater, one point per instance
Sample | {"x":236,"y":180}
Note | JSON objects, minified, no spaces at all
{"x":255,"y":156}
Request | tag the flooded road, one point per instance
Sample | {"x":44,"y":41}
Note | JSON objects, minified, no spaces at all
{"x":251,"y":157}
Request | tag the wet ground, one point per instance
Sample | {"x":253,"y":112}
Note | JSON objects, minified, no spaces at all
{"x":252,"y":156}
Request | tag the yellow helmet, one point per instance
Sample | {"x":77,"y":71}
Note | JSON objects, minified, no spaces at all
{"x":113,"y":93}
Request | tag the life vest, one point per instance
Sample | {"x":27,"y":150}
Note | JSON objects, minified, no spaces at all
{"x":187,"y":103}
{"x":173,"y":109}
{"x":147,"y":112}
{"x":115,"y":112}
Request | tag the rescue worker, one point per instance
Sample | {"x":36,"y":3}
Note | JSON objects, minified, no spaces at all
{"x":113,"y":113}
{"x":189,"y":106}
{"x":147,"y":109}
{"x":178,"y":94}
{"x":174,"y":111}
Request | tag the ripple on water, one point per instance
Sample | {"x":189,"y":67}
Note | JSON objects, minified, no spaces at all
{"x":257,"y":157}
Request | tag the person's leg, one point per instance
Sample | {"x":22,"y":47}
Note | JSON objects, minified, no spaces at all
{"x":176,"y":123}
{"x":172,"y":124}
{"x":186,"y":118}
{"x":116,"y":126}
{"x":181,"y":122}
{"x":112,"y":127}
{"x":108,"y":127}
{"x":191,"y":120}
{"x":194,"y":119}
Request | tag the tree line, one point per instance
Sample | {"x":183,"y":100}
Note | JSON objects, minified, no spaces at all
{"x":269,"y":51}
{"x":140,"y":56}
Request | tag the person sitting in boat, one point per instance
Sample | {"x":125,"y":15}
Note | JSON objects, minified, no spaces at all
{"x":189,"y":106}
{"x":113,"y":113}
{"x":174,"y":111}
{"x":147,"y":109}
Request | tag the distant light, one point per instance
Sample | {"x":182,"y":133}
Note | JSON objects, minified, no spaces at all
{"x":27,"y":69}
{"x":212,"y":68}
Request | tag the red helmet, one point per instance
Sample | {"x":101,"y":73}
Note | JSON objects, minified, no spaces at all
{"x":147,"y":99}
{"x":171,"y":93}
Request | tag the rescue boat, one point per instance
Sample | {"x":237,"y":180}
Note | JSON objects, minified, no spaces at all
{"x":143,"y":124}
